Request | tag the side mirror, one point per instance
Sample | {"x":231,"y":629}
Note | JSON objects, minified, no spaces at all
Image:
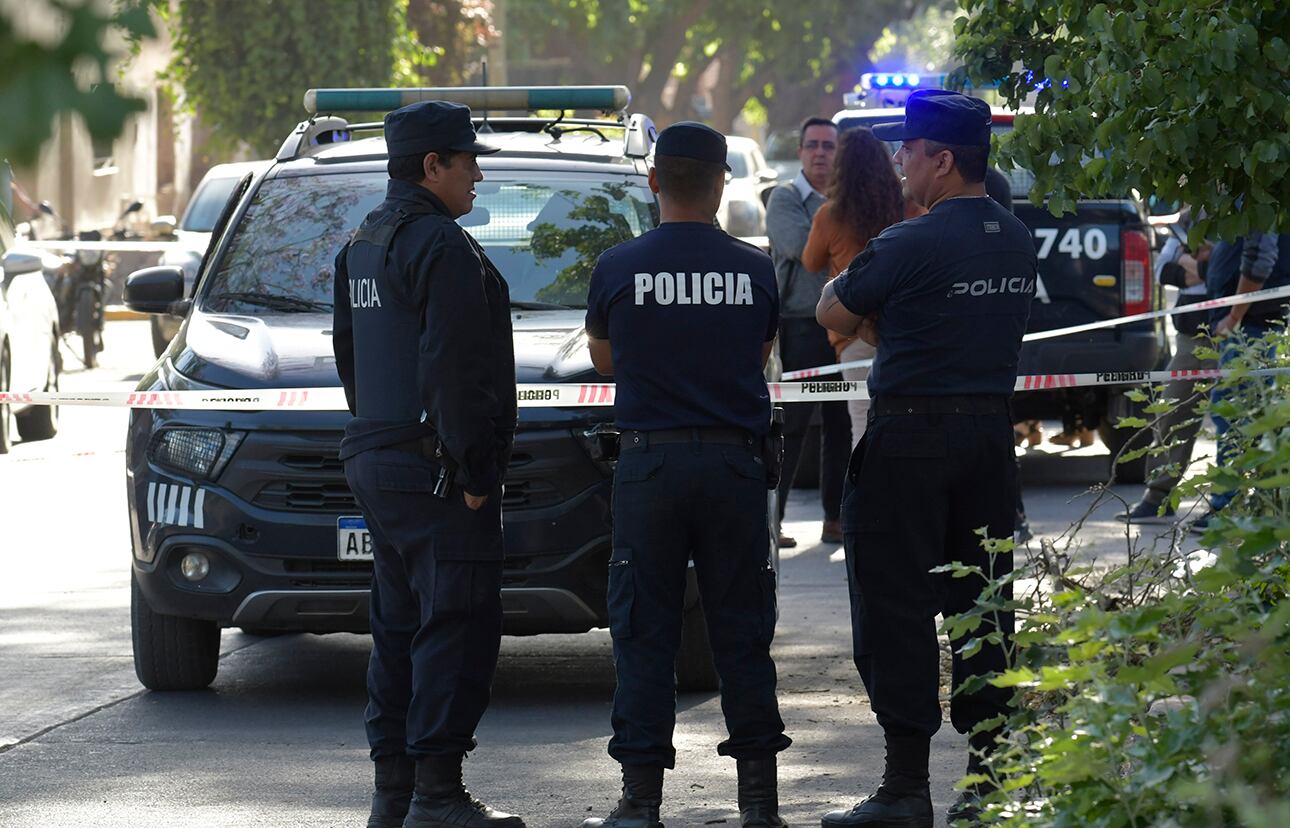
{"x":767,"y":174}
{"x":154,"y":289}
{"x":135,"y":206}
{"x":16,"y":263}
{"x":46,"y":208}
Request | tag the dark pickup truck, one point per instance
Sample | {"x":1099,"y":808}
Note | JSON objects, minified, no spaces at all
{"x":1094,"y":264}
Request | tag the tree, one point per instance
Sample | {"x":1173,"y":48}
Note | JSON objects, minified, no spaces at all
{"x":245,"y":64}
{"x":923,"y":43}
{"x":1182,"y":99}
{"x":790,"y":57}
{"x":68,"y":72}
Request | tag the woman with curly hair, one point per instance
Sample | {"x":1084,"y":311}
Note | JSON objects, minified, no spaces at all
{"x":864,"y":199}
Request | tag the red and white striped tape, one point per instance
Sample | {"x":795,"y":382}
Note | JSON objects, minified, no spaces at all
{"x":1208,"y":304}
{"x":556,"y":395}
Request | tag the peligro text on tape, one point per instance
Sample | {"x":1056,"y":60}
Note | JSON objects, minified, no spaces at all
{"x":1208,"y":304}
{"x":558,"y":395}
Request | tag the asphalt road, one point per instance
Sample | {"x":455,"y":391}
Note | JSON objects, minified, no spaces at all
{"x":278,"y":739}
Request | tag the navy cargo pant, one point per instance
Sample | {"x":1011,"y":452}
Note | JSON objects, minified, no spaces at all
{"x":674,"y":502}
{"x":918,"y":487}
{"x":436,"y":607}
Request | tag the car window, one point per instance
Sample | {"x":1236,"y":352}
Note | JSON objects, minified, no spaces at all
{"x":203,"y":211}
{"x":739,"y":163}
{"x":543,"y":235}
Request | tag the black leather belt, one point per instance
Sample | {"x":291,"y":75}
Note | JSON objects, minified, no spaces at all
{"x":712,"y":435}
{"x":423,"y":446}
{"x":974,"y":404}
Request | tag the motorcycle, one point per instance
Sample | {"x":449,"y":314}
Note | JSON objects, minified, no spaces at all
{"x":81,"y":285}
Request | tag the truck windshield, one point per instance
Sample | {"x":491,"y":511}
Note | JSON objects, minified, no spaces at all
{"x":544,"y":235}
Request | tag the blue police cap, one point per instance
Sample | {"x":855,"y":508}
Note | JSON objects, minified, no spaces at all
{"x":943,"y":116}
{"x":690,"y":139}
{"x":427,"y":126}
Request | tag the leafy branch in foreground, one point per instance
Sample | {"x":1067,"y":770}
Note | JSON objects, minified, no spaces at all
{"x":1156,"y":692}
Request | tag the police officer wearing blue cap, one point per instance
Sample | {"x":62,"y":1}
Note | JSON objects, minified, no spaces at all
{"x":422,"y":335}
{"x":949,"y":295}
{"x":684,"y":317}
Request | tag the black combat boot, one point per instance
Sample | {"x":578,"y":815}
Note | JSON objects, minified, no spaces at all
{"x":392,"y":795}
{"x":903,"y":799}
{"x":639,"y":804}
{"x":758,"y":794}
{"x":441,"y":801}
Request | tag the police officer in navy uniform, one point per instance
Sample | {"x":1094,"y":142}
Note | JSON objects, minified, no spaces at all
{"x":422,"y":335}
{"x":684,"y":317}
{"x":949,"y":295}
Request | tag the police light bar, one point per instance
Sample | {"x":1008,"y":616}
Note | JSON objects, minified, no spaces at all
{"x":901,"y":80}
{"x":514,"y":98}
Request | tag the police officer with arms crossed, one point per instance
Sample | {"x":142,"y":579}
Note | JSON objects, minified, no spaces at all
{"x":949,"y":294}
{"x":422,"y":335}
{"x":684,"y":317}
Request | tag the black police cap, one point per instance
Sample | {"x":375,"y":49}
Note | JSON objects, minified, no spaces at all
{"x":942,"y":116}
{"x":427,"y":126}
{"x":689,"y":139}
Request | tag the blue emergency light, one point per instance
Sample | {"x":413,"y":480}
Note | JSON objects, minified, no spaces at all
{"x":900,"y":80}
{"x":502,"y":98}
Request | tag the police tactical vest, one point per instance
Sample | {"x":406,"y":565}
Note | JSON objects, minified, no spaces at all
{"x":387,"y":326}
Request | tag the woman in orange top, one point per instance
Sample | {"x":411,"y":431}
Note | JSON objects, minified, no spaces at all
{"x":864,"y":199}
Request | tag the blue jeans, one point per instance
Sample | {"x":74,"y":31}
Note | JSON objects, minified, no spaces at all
{"x":1254,"y":330}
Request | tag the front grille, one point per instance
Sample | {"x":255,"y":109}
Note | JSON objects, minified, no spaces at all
{"x":531,"y":494}
{"x":328,"y":574}
{"x":301,"y":496}
{"x":314,"y":462}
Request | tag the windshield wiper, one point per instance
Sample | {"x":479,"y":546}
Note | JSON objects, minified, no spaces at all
{"x":517,"y":305}
{"x":290,"y":304}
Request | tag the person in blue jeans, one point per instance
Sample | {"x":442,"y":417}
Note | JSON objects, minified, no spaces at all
{"x":1255,"y":262}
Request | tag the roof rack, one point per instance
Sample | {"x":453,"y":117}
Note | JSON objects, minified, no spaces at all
{"x":608,"y":99}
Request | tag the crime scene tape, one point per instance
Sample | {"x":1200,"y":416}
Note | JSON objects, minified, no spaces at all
{"x":553,"y":395}
{"x":1208,"y":304}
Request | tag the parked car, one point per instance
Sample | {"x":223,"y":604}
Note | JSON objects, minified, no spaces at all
{"x":29,"y":358}
{"x":244,"y":519}
{"x":743,"y":204}
{"x":1094,"y":264}
{"x":193,"y":235}
{"x":781,"y":153}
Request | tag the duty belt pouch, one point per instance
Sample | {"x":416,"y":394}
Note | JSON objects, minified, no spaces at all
{"x":772,"y":448}
{"x":603,"y":442}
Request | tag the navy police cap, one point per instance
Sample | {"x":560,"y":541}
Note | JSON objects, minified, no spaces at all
{"x":427,"y":126}
{"x":689,"y":139}
{"x":943,"y":116}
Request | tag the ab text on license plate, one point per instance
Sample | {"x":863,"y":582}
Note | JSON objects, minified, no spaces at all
{"x":353,"y":541}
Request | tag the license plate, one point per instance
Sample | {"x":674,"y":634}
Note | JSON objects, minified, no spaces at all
{"x":353,"y":541}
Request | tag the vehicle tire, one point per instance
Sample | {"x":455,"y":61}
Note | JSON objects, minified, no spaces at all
{"x":6,"y":437}
{"x":86,"y":327}
{"x":1119,"y":406}
{"x":40,"y":422}
{"x":159,"y":341}
{"x":696,"y":672}
{"x":171,"y":653}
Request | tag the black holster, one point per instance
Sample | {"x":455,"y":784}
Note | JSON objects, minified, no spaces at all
{"x":772,"y":448}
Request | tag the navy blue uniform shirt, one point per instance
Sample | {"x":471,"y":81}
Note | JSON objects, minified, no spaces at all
{"x":687,"y":309}
{"x":422,"y":337}
{"x":952,"y":290}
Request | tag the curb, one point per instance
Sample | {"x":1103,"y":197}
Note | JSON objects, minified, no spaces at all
{"x":120,"y":313}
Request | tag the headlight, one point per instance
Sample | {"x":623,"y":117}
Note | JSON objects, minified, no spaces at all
{"x":198,"y":452}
